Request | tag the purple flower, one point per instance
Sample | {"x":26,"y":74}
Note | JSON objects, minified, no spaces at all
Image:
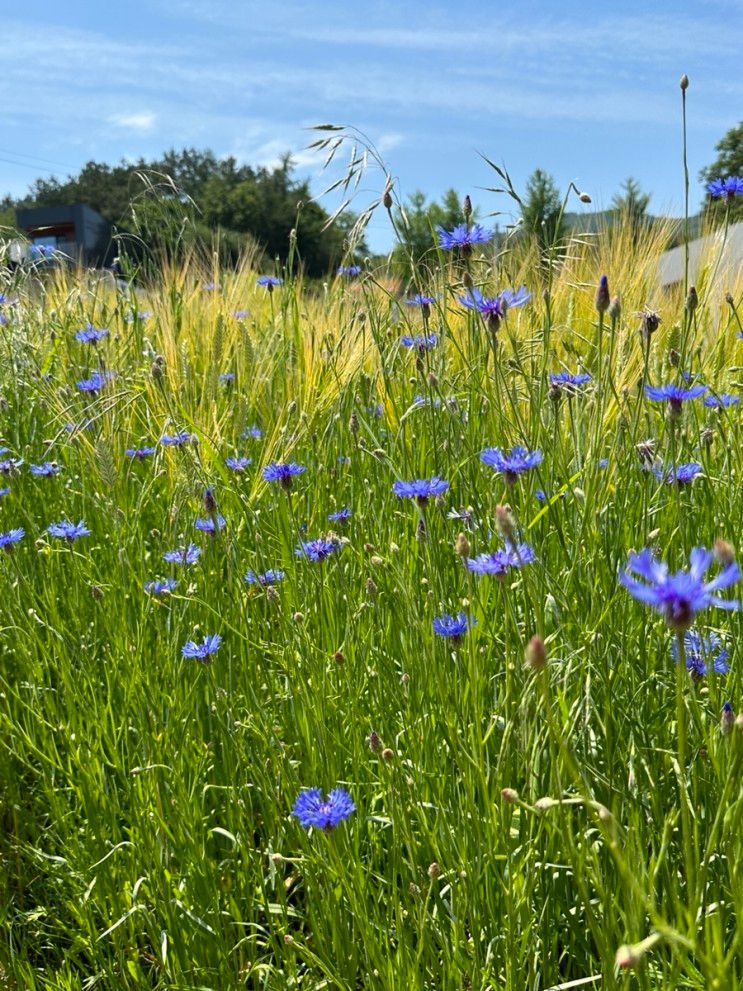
{"x":724,"y":400}
{"x":269,"y":281}
{"x":183,"y":555}
{"x":252,"y":433}
{"x":140,"y":453}
{"x":226,"y":377}
{"x":323,"y":813}
{"x":91,"y":335}
{"x":420,"y":299}
{"x":9,"y":466}
{"x":421,"y":342}
{"x":463,"y":237}
{"x":701,"y":653}
{"x":501,"y":561}
{"x":138,"y":315}
{"x":11,"y":537}
{"x":350,"y":271}
{"x":420,"y":489}
{"x":452,"y":627}
{"x":177,"y":439}
{"x":282,"y":473}
{"x":317,"y":550}
{"x":495,"y":308}
{"x":270,"y":577}
{"x":5,"y":491}
{"x":95,"y":383}
{"x":681,"y":475}
{"x":674,"y":395}
{"x":568,"y":381}
{"x":512,"y":464}
{"x":727,"y":188}
{"x":238,"y":464}
{"x":204,"y":650}
{"x":210,"y":525}
{"x":45,"y":470}
{"x":212,"y":287}
{"x":240,"y":314}
{"x":161,"y":586}
{"x":68,"y":531}
{"x":340,"y":516}
{"x":680,"y":596}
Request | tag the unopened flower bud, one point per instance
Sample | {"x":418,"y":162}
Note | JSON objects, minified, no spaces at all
{"x":627,"y":957}
{"x":353,"y":423}
{"x":729,"y":299}
{"x":692,"y":300}
{"x":373,"y":742}
{"x":387,"y":199}
{"x":388,"y":754}
{"x":97,"y":592}
{"x":467,"y":207}
{"x":339,"y":657}
{"x":509,"y":795}
{"x":724,"y":552}
{"x":602,"y":295}
{"x":684,"y":83}
{"x":584,"y":198}
{"x":674,"y":358}
{"x":210,"y":504}
{"x":505,"y":522}
{"x":272,"y":593}
{"x":370,"y":587}
{"x":298,"y":618}
{"x":615,"y":308}
{"x":467,"y":280}
{"x":434,"y":871}
{"x":727,"y":719}
{"x":535,"y":655}
{"x":462,"y":546}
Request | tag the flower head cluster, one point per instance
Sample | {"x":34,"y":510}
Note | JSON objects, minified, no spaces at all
{"x":725,"y":188}
{"x":703,"y":653}
{"x":202,"y":651}
{"x":452,"y":627}
{"x":68,"y":531}
{"x":340,"y":516}
{"x":511,"y":464}
{"x":95,"y":383}
{"x":679,"y":597}
{"x":11,"y":537}
{"x":323,"y":813}
{"x":501,"y":561}
{"x":238,"y":464}
{"x":318,"y":549}
{"x":421,"y":342}
{"x":161,"y":586}
{"x":283,"y":473}
{"x":463,"y":237}
{"x":183,"y":555}
{"x":91,"y":335}
{"x":45,"y":470}
{"x":176,"y":439}
{"x":270,"y":577}
{"x":349,"y":271}
{"x":420,"y":489}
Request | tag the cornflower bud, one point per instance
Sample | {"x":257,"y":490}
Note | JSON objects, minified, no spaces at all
{"x":374,"y":743}
{"x":535,"y":655}
{"x":615,"y":308}
{"x":434,"y":871}
{"x":684,"y":83}
{"x":210,"y":504}
{"x":505,"y":522}
{"x":727,"y":719}
{"x":388,"y":754}
{"x":467,"y":207}
{"x":724,"y":552}
{"x":462,"y":546}
{"x":692,"y":300}
{"x":509,"y":795}
{"x":602,"y":295}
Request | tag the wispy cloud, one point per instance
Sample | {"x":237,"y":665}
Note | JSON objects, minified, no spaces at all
{"x":141,"y":122}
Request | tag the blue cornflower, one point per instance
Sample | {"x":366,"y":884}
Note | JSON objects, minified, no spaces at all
{"x":511,"y":465}
{"x":11,"y":537}
{"x":340,"y":516}
{"x":238,"y":464}
{"x":282,"y":473}
{"x":701,"y":653}
{"x":318,"y":549}
{"x":212,"y":287}
{"x":603,"y":462}
{"x":68,"y":531}
{"x":728,"y":188}
{"x":240,"y":314}
{"x":211,"y":524}
{"x":495,"y":308}
{"x":161,"y":586}
{"x":568,"y":381}
{"x":95,"y":383}
{"x":270,"y":577}
{"x":252,"y":433}
{"x":140,"y":452}
{"x":420,"y":489}
{"x":674,"y":395}
{"x":724,"y":400}
{"x":343,"y":459}
{"x":323,"y":813}
{"x":452,"y":627}
{"x":420,"y":299}
{"x":421,"y":342}
{"x":91,"y":335}
{"x":269,"y":281}
{"x":177,"y":439}
{"x":226,"y":377}
{"x":463,"y":237}
{"x":680,"y":596}
{"x":204,"y":650}
{"x":681,"y":475}
{"x":501,"y":561}
{"x":9,"y":466}
{"x":419,"y":400}
{"x":131,"y":316}
{"x":5,"y":491}
{"x":183,"y":555}
{"x":41,"y":250}
{"x":45,"y":470}
{"x":377,"y":410}
{"x":350,"y":271}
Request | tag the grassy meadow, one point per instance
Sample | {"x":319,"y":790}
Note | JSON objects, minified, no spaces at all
{"x":541,"y":814}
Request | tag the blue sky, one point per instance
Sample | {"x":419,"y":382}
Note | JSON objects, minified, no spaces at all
{"x":588,"y":92}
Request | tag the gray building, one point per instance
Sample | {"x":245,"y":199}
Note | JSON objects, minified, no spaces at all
{"x":713,"y":252}
{"x":77,"y":232}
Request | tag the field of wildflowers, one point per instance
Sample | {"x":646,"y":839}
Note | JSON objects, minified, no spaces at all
{"x":356,"y":641}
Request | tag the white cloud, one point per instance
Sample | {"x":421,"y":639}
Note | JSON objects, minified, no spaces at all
{"x":141,"y":122}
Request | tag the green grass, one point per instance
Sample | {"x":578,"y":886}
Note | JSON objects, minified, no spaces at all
{"x":147,"y":839}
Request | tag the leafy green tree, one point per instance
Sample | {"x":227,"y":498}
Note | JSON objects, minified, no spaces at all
{"x":541,"y":210}
{"x":729,"y":163}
